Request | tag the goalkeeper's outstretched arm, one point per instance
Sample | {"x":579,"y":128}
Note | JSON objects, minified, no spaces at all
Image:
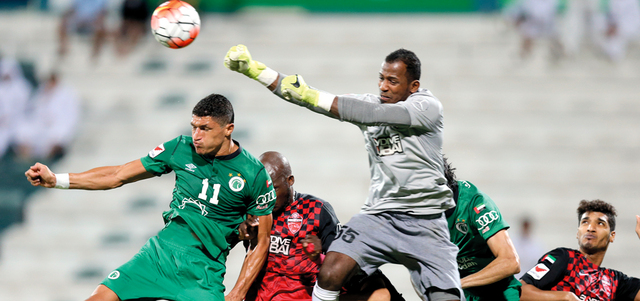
{"x":294,"y":89}
{"x":290,"y":88}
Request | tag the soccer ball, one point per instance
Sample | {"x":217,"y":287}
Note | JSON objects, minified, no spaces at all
{"x":175,"y":24}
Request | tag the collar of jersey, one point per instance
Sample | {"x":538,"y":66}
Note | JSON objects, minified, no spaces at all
{"x":229,"y":156}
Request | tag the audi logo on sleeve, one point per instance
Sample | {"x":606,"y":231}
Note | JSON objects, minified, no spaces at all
{"x":487,"y":218}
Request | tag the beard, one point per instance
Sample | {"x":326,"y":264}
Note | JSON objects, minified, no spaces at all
{"x":592,"y":248}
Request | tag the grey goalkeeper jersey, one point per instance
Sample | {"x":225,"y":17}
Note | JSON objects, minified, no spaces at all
{"x":404,"y":145}
{"x":405,"y":155}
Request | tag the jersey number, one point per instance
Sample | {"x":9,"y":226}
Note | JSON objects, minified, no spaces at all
{"x":348,"y":236}
{"x":203,"y":193}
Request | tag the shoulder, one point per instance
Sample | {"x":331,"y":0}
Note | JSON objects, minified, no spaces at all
{"x":248,"y":162}
{"x":311,"y":199}
{"x":424,"y":97}
{"x":469,"y":194}
{"x":171,"y":146}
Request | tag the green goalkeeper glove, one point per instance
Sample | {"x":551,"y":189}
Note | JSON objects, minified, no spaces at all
{"x":294,"y":87}
{"x":239,"y":59}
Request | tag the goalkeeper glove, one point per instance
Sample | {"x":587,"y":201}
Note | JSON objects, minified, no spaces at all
{"x":294,"y":87}
{"x":239,"y":59}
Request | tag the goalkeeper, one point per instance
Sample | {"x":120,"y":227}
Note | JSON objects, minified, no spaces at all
{"x":402,"y":127}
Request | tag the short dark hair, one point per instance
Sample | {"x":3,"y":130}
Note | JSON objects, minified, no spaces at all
{"x":449,"y":174}
{"x":410,"y":60}
{"x":598,"y":206}
{"x":215,"y":106}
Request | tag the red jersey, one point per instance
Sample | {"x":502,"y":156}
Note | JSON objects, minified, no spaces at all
{"x":569,"y":270}
{"x":289,"y":274}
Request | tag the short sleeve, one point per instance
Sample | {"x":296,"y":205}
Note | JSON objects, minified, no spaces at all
{"x":549,"y":271}
{"x":157,"y":161}
{"x":263,"y":196}
{"x":628,"y":287}
{"x":329,"y":225}
{"x":486,"y":216}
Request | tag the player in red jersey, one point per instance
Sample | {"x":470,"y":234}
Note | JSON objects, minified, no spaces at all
{"x":303,"y":228}
{"x":566,"y":274}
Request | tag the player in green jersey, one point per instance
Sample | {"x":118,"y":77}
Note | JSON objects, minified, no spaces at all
{"x":217,"y":184}
{"x":487,"y":259}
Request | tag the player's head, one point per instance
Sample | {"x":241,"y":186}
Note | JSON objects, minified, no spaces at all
{"x":280,"y":172}
{"x":449,"y":174}
{"x":399,"y":76}
{"x":596,"y":226}
{"x":211,"y":124}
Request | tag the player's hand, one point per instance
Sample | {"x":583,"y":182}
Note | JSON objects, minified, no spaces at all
{"x":239,"y":59}
{"x":248,"y":229}
{"x":294,"y":87}
{"x":40,"y":175}
{"x":638,"y":225}
{"x":312,"y":246}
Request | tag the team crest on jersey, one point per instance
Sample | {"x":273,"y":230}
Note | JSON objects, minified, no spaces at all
{"x":294,"y":222}
{"x":156,"y":151}
{"x":462,"y":227}
{"x":236,"y":184}
{"x":387,"y":146}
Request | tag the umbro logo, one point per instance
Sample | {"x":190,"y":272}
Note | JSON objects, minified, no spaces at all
{"x":190,"y":167}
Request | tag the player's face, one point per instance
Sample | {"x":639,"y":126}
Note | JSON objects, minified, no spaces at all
{"x":282,"y":186}
{"x":393,"y":83}
{"x":208,"y":135}
{"x":594,"y":232}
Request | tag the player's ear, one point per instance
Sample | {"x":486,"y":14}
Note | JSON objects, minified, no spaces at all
{"x":414,"y":86}
{"x":228,"y":129}
{"x":612,"y":236}
{"x":290,"y":180}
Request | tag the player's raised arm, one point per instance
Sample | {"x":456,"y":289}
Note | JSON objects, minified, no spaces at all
{"x":99,"y":178}
{"x":254,"y":260}
{"x":291,"y":88}
{"x":394,"y":87}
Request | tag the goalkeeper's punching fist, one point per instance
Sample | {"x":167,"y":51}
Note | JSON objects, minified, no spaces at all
{"x":292,"y":88}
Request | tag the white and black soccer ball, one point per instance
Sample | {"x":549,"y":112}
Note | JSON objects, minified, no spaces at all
{"x":175,"y":24}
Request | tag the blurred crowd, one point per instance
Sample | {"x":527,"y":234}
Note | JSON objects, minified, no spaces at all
{"x":605,"y":26}
{"x":89,"y":18}
{"x":38,"y":122}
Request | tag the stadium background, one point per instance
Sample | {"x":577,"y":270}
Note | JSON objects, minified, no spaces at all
{"x":536,"y":136}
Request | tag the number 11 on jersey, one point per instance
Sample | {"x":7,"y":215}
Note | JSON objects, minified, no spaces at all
{"x":203,"y":193}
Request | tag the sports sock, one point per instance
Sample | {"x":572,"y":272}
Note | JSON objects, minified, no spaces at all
{"x":320,"y":294}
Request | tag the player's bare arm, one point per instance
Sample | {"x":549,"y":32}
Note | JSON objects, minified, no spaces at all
{"x":532,"y":293}
{"x":99,"y":178}
{"x":254,"y":260}
{"x":506,"y":262}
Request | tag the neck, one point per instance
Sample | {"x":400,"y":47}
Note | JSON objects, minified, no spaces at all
{"x":227,"y":148}
{"x":595,"y":258}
